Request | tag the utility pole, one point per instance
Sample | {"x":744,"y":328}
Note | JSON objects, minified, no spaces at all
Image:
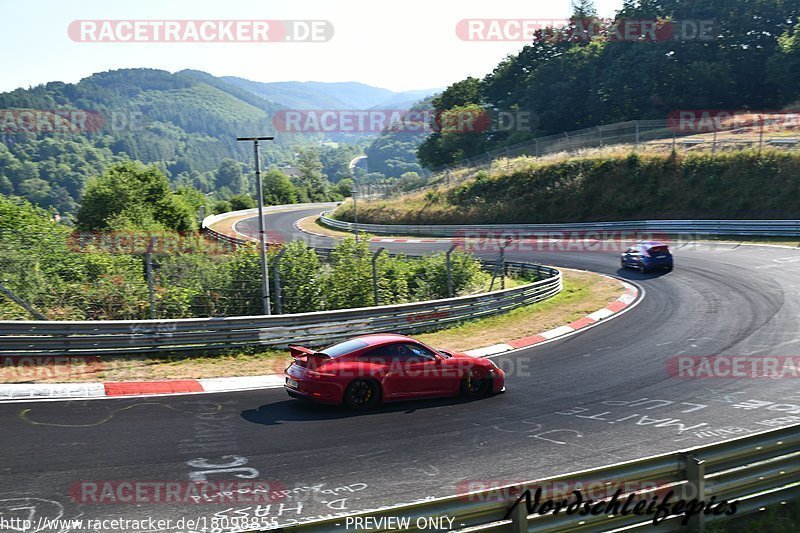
{"x":375,"y":273}
{"x":352,"y":166}
{"x":262,"y":238}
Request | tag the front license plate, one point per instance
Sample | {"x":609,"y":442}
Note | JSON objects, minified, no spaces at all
{"x":660,"y":256}
{"x":291,"y":383}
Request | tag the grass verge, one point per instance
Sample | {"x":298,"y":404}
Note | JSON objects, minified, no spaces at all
{"x":583,"y":293}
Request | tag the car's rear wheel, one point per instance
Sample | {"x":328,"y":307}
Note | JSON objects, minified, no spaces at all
{"x":476,"y":384}
{"x":362,"y":394}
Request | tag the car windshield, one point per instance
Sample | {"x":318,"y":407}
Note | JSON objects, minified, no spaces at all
{"x":337,"y":350}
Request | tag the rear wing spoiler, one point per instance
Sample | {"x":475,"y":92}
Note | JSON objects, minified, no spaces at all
{"x":301,"y":353}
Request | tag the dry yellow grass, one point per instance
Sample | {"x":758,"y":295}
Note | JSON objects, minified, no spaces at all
{"x":311,"y":224}
{"x":584,"y":293}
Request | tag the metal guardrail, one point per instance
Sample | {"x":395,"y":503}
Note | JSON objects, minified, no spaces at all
{"x":114,"y":337}
{"x":755,"y":471}
{"x":771,"y":228}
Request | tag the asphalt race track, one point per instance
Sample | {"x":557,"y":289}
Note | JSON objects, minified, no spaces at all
{"x":595,"y":398}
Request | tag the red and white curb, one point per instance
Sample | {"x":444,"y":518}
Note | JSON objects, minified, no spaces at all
{"x":623,"y":303}
{"x":21,"y":392}
{"x":386,"y":239}
{"x":116,"y":389}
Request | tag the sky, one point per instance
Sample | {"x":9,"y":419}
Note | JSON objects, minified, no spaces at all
{"x":399,"y":45}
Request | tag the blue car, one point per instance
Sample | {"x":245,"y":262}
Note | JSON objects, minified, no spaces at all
{"x":646,"y":256}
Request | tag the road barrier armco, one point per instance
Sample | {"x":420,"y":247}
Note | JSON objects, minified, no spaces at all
{"x":755,"y":471}
{"x":118,"y":337}
{"x":765,"y":228}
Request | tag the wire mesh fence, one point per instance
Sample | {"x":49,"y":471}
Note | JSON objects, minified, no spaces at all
{"x":64,"y":275}
{"x":642,"y":136}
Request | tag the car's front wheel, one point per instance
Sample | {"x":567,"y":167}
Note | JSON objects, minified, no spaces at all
{"x":476,"y":384}
{"x":642,"y":268}
{"x":362,"y":394}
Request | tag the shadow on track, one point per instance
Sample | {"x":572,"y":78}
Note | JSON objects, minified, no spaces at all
{"x":294,"y":410}
{"x":635,"y":275}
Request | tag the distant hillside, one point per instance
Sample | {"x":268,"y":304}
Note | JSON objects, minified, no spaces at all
{"x":186,"y":123}
{"x":319,"y":95}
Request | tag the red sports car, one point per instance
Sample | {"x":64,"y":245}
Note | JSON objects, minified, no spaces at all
{"x":364,"y":371}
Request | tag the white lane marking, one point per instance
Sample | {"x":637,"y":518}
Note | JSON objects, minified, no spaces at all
{"x":19,"y":391}
{"x":240,"y":383}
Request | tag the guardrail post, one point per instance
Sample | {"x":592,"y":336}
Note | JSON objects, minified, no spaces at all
{"x":375,"y":273}
{"x":278,"y":295}
{"x":695,"y":475}
{"x":502,"y":266}
{"x":519,"y":519}
{"x":449,"y":271}
{"x":149,"y":273}
{"x":600,"y":132}
{"x":636,"y":144}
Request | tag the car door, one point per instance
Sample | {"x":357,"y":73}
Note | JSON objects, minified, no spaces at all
{"x":433,"y":373}
{"x":411,"y":372}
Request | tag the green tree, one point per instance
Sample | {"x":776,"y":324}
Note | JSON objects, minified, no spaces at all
{"x":132,"y":196}
{"x":349,"y":283}
{"x":241,"y":202}
{"x":229,"y":174}
{"x":311,"y":179}
{"x":278,"y":188}
{"x":301,"y":289}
